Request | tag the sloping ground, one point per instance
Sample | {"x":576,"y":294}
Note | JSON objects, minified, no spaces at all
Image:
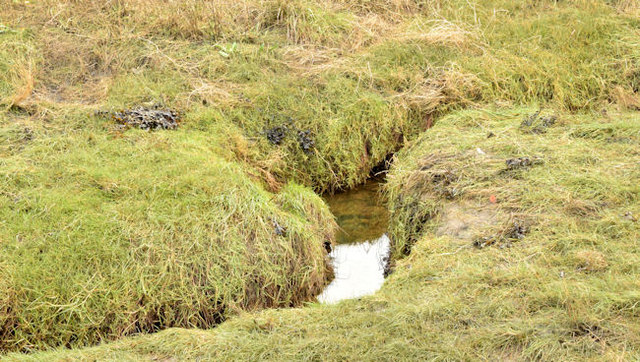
{"x":105,"y":236}
{"x":106,"y":232}
{"x":361,"y":77}
{"x":565,"y":287}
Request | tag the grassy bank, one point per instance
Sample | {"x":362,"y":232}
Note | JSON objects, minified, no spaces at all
{"x":361,"y":77}
{"x":104,"y":236}
{"x":565,"y":290}
{"x":106,"y":232}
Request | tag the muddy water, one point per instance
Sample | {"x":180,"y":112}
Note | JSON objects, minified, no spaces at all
{"x":361,"y":255}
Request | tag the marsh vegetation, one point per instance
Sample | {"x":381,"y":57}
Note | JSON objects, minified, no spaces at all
{"x":161,"y":166}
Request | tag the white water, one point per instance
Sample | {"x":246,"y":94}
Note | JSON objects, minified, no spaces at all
{"x":358,"y":268}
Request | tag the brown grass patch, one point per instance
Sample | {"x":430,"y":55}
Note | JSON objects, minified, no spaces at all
{"x":449,"y":87}
{"x":591,"y":260}
{"x":26,"y":88}
{"x":438,"y":32}
{"x":626,"y":98}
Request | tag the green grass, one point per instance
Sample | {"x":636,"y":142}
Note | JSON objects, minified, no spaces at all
{"x":104,"y":236}
{"x":105,"y":233}
{"x":566,"y":291}
{"x":323,"y":66}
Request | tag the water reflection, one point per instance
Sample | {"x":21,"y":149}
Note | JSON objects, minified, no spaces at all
{"x":360,"y":257}
{"x":359,"y":270}
{"x":359,"y":213}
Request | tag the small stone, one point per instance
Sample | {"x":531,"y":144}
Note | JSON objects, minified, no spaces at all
{"x":278,"y":229}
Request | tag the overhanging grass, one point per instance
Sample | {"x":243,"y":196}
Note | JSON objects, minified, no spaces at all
{"x":566,"y":291}
{"x":104,"y":236}
{"x":364,"y":77}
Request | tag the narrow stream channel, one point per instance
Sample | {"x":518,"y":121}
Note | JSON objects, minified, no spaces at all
{"x":361,"y":255}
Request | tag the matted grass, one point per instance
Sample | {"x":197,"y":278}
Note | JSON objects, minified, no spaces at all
{"x":568,"y":290}
{"x":180,"y":228}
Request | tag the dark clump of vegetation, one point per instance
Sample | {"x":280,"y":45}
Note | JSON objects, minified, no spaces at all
{"x":146,"y":118}
{"x":276,"y":134}
{"x":305,"y":141}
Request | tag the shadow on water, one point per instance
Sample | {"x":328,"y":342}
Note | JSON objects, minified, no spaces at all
{"x":359,"y":212}
{"x":360,"y":258}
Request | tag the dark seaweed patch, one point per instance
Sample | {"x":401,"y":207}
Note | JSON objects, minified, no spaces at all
{"x":154,"y":118}
{"x":278,"y":133}
{"x":537,"y":124}
{"x":305,"y":141}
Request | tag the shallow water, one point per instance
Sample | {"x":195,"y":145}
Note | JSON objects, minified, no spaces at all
{"x":358,"y":268}
{"x":360,"y":257}
{"x":359,"y":213}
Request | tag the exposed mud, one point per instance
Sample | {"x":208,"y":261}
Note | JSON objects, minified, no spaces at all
{"x":463,"y":221}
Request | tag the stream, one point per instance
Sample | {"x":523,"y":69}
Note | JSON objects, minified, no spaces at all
{"x":362,"y":249}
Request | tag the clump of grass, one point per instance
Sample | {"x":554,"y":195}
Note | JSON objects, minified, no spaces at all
{"x":104,"y":237}
{"x":565,"y":291}
{"x":428,"y":178}
{"x":17,"y":66}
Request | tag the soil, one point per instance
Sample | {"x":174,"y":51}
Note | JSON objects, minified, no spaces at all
{"x":461,"y":221}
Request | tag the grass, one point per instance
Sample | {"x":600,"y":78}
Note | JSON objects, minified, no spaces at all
{"x":322,"y":64}
{"x":105,"y":236}
{"x":106,"y":233}
{"x":566,"y":290}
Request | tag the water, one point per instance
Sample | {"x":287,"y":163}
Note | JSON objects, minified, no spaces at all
{"x":360,"y":257}
{"x":359,"y":213}
{"x":359,"y":270}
